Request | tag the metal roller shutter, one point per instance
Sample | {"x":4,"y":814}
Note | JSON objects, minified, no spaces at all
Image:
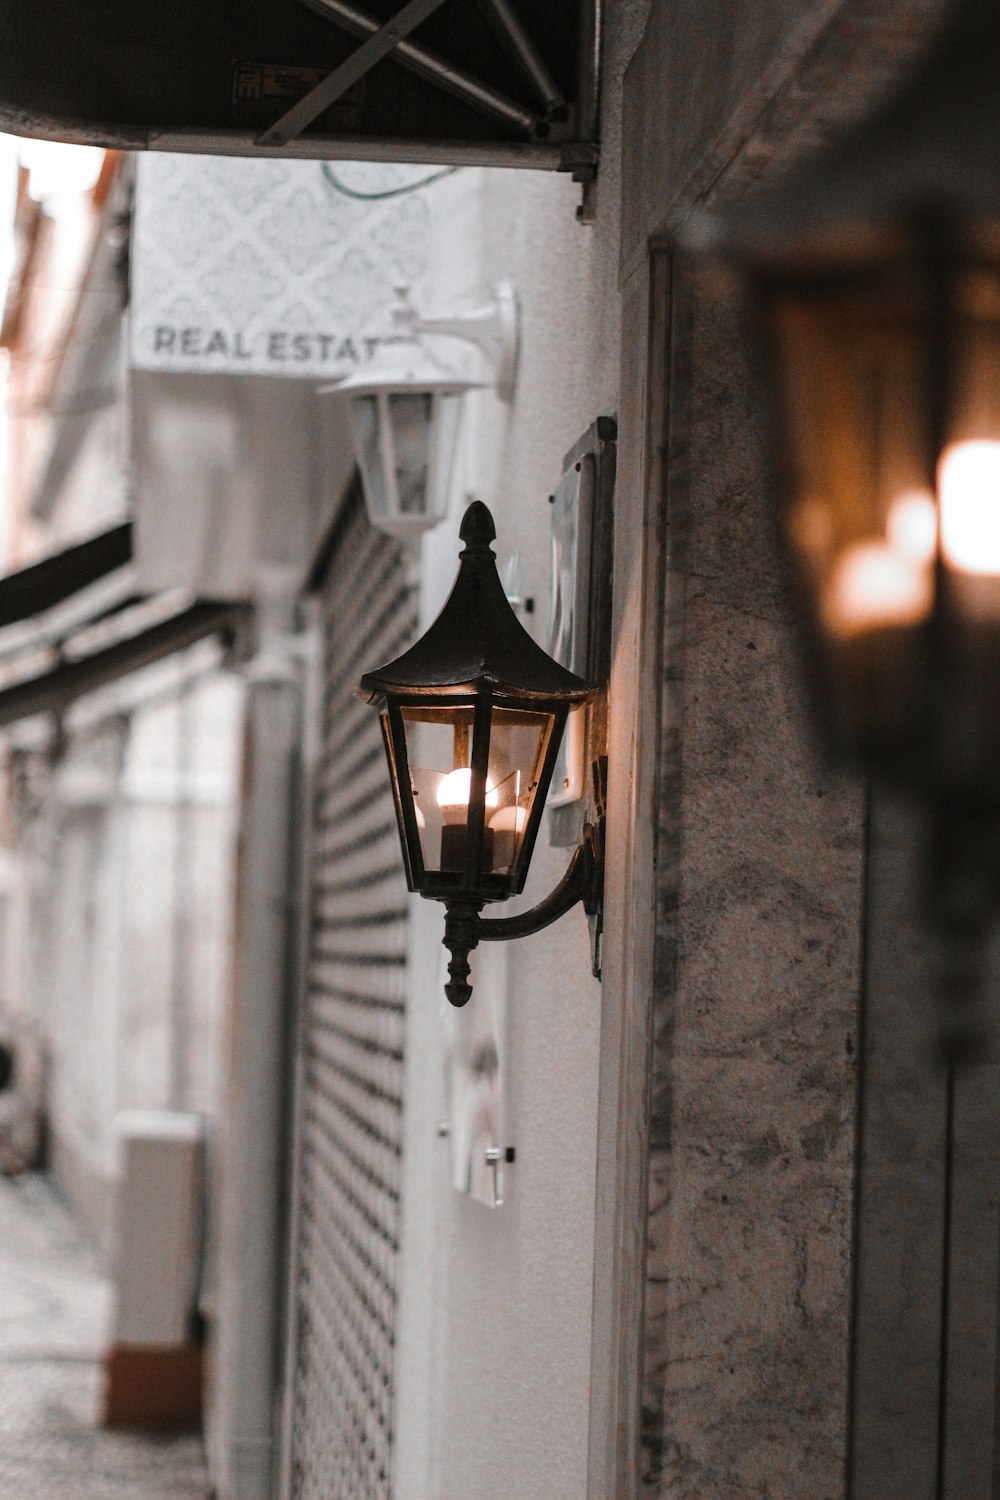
{"x":351,"y":1040}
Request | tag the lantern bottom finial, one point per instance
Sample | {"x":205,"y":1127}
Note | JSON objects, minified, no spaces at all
{"x":465,"y":929}
{"x":461,"y":935}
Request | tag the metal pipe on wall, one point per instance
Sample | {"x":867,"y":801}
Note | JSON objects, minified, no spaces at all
{"x":252,"y":1221}
{"x":182,"y":942}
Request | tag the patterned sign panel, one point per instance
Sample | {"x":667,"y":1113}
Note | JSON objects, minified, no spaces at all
{"x":271,"y":267}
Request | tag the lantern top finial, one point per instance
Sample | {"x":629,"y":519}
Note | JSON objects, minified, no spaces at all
{"x":477,"y":643}
{"x":477,"y":531}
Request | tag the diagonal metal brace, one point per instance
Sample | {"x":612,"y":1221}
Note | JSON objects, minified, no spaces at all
{"x":436,"y":70}
{"x":526,"y":55}
{"x":350,"y":71}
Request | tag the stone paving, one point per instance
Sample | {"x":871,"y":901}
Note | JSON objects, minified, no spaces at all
{"x":53,"y":1315}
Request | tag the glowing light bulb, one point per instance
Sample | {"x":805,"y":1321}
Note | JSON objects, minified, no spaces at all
{"x":911,"y":525}
{"x":878,"y":584}
{"x":509,"y":819}
{"x":506,"y":824}
{"x":969,"y":487}
{"x":455,"y":791}
{"x":874,"y":586}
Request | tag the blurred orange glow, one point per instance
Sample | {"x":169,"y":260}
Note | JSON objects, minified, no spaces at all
{"x":875,"y":585}
{"x":969,"y":484}
{"x":911,"y":526}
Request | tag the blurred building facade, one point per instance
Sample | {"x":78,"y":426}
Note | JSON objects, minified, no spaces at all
{"x":120,"y":804}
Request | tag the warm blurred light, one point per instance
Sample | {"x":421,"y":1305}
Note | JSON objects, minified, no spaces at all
{"x":878,"y":584}
{"x":455,"y":791}
{"x":874,"y":586}
{"x":969,"y":485}
{"x":911,"y":526}
{"x":57,"y":168}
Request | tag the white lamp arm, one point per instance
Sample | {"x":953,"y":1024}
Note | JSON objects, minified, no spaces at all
{"x":494,"y":328}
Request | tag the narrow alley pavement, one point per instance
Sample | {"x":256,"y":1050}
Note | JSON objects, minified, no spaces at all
{"x":53,"y":1313}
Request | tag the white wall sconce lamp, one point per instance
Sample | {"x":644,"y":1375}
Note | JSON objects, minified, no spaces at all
{"x":406,"y":407}
{"x":878,"y":284}
{"x":472,"y":717}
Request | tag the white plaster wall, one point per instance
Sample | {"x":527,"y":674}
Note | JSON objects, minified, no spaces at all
{"x":493,"y":1372}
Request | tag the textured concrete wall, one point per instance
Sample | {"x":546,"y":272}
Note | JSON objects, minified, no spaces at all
{"x":761,"y":878}
{"x":720,"y":94}
{"x":755,"y":1028}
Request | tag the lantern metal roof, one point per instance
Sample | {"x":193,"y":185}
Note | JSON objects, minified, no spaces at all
{"x":477,"y":643}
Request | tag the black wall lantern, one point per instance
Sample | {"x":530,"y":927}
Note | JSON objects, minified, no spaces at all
{"x":472,"y":716}
{"x":878,"y":279}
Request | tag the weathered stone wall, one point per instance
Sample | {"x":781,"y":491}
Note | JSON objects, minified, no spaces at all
{"x":755,"y":1032}
{"x":720,"y":94}
{"x":751,"y":1367}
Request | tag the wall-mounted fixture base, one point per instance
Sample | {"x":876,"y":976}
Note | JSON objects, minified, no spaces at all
{"x":465,"y":929}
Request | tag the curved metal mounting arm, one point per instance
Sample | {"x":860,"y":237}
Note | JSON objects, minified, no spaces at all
{"x":493,"y":328}
{"x":465,"y":929}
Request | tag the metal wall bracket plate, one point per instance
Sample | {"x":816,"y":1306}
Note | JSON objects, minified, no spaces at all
{"x":580,"y":612}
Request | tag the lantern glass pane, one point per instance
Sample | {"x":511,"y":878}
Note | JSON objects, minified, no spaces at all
{"x":518,"y":741}
{"x":447,"y":417}
{"x":860,"y":513}
{"x":966,"y":732}
{"x":439,"y":751}
{"x":889,"y":389}
{"x":854,"y":411}
{"x":439,"y":747}
{"x":968,"y":478}
{"x":410,"y":414}
{"x":367,"y":444}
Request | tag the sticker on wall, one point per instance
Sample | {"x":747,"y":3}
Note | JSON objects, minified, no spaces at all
{"x":475,"y":1065}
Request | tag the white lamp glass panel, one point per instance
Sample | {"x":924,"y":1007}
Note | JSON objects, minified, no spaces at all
{"x":368,"y":448}
{"x":387,"y":448}
{"x":444,"y":446}
{"x":410,"y":414}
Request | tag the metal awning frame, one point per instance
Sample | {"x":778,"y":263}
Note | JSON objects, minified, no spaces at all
{"x":560,"y":123}
{"x":60,"y":578}
{"x":54,"y":690}
{"x":392,"y":38}
{"x":562,"y":137}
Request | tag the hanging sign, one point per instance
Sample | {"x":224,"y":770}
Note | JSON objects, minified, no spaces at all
{"x":271,"y":267}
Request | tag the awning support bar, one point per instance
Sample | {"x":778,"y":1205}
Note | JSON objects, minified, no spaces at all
{"x":54,"y":690}
{"x":428,"y":65}
{"x":524,"y":53}
{"x":360,"y":62}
